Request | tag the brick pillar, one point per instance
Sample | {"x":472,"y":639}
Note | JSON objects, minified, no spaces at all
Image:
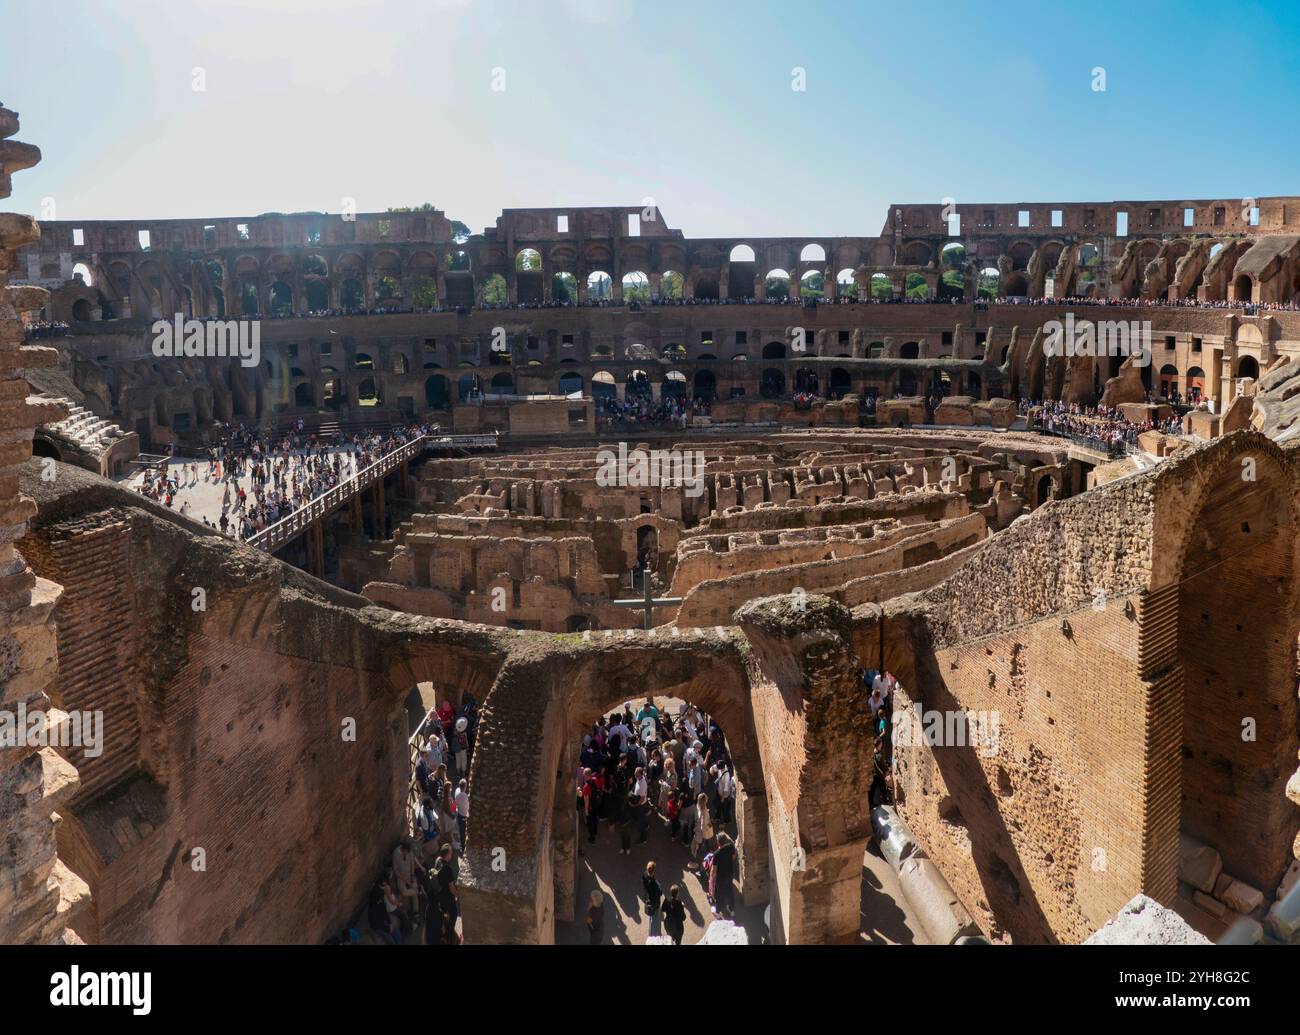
{"x":40,"y":898}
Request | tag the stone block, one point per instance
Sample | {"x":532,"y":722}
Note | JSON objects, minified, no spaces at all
{"x":1143,"y":921}
{"x":1242,"y":897}
{"x":1198,"y":864}
{"x":1211,"y":905}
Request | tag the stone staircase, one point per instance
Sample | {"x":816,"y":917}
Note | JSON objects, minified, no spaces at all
{"x":82,"y":430}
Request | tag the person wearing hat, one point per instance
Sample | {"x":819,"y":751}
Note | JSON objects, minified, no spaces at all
{"x":461,"y":747}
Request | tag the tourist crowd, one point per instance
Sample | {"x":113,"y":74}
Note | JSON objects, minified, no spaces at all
{"x":641,"y":767}
{"x":419,"y":888}
{"x":265,"y":478}
{"x":640,"y":410}
{"x":1151,"y":303}
{"x":46,"y":329}
{"x":1103,"y":426}
{"x":881,"y":703}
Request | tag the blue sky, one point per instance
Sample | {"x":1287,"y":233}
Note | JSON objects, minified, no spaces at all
{"x":391,"y":102}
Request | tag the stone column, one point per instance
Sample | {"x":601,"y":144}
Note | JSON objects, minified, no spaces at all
{"x":819,"y":827}
{"x":752,"y":837}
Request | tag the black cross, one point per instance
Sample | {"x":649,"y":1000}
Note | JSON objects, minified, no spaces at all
{"x":649,"y":602}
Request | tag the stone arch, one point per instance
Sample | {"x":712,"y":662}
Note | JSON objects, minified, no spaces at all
{"x":538,"y":708}
{"x":603,"y":385}
{"x":437,"y":392}
{"x":503,"y":383}
{"x":600,"y":286}
{"x":706,"y":385}
{"x":772,"y":383}
{"x":841,"y":383}
{"x":776,"y":283}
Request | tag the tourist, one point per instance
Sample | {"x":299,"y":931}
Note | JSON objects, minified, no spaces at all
{"x":687,"y":814}
{"x":675,"y":915}
{"x":462,"y":807}
{"x":721,"y":891}
{"x":667,"y":779}
{"x":641,"y":806}
{"x":435,"y":751}
{"x":726,"y":791}
{"x":427,"y":824}
{"x":460,"y":745}
{"x":447,"y":717}
{"x":404,"y":867}
{"x":446,"y":871}
{"x":624,"y":804}
{"x":382,"y":914}
{"x":653,"y":892}
{"x":703,"y":826}
{"x":596,"y":917}
{"x":694,"y":775}
{"x":590,"y":804}
{"x":448,"y":828}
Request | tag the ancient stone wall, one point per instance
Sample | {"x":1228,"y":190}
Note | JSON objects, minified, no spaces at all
{"x":42,"y":900}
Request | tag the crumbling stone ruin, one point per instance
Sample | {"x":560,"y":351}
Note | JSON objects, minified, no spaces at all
{"x":1097,"y":626}
{"x":542,"y":541}
{"x":41,"y":898}
{"x":392,"y":314}
{"x":1107,"y":634}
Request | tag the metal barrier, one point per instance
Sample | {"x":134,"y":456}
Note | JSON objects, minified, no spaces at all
{"x":1114,"y":450}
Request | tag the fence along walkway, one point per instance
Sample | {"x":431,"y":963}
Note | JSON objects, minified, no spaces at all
{"x":289,"y":528}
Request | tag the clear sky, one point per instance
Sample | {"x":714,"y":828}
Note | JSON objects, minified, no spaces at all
{"x":392,"y":102}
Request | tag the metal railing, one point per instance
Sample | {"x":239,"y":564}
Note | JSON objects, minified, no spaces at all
{"x":413,"y":792}
{"x":274,"y":536}
{"x":486,"y":441}
{"x":286,"y":529}
{"x":1114,"y":450}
